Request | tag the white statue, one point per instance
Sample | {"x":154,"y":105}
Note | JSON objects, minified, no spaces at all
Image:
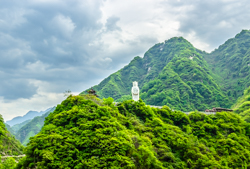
{"x":135,"y":91}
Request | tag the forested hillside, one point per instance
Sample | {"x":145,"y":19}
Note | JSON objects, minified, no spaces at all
{"x":242,"y":106}
{"x":185,"y":83}
{"x":176,"y":74}
{"x":8,"y":144}
{"x":86,"y":132}
{"x":231,"y":63}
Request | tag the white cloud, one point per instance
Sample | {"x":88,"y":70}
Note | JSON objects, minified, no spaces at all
{"x":38,"y":102}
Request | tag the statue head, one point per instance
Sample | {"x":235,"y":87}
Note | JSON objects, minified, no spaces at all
{"x":135,"y":84}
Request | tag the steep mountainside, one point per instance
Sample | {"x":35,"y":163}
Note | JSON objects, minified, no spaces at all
{"x":16,"y":127}
{"x":185,"y":83}
{"x":91,"y":133}
{"x":231,"y":63}
{"x":242,"y":106}
{"x":31,"y":128}
{"x":172,"y":73}
{"x":8,"y":144}
{"x":9,"y":129}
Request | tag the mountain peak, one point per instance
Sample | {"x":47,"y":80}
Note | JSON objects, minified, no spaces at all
{"x":243,"y":33}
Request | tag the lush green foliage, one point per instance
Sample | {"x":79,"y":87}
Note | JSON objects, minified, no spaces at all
{"x":231,"y":64}
{"x":8,"y":144}
{"x":9,"y":129}
{"x":86,"y":132}
{"x":183,"y":84}
{"x":8,"y":163}
{"x":242,"y":106}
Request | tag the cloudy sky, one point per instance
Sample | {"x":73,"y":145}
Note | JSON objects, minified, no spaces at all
{"x":50,"y":46}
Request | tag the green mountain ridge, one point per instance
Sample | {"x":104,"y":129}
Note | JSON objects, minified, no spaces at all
{"x":176,"y":74}
{"x":231,"y":63}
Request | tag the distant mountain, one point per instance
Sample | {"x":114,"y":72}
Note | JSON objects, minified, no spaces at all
{"x":30,"y":115}
{"x":16,"y":127}
{"x":30,"y":128}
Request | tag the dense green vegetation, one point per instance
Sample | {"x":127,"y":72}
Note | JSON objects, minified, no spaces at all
{"x":9,"y":146}
{"x":86,"y":132}
{"x":183,"y":84}
{"x":8,"y":163}
{"x":242,"y":106}
{"x":9,"y":129}
{"x":176,"y":74}
{"x":231,"y":64}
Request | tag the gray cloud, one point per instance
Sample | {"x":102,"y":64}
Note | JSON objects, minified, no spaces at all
{"x":212,"y":21}
{"x":47,"y":42}
{"x":111,"y":24}
{"x":13,"y":89}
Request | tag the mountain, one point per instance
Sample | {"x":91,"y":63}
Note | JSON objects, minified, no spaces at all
{"x":242,"y":106}
{"x":86,"y":132}
{"x":176,"y":74}
{"x":185,"y":83}
{"x":16,"y":127}
{"x":172,"y":73}
{"x":8,"y":144}
{"x":31,"y":127}
{"x":231,"y":64}
{"x":30,"y":115}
